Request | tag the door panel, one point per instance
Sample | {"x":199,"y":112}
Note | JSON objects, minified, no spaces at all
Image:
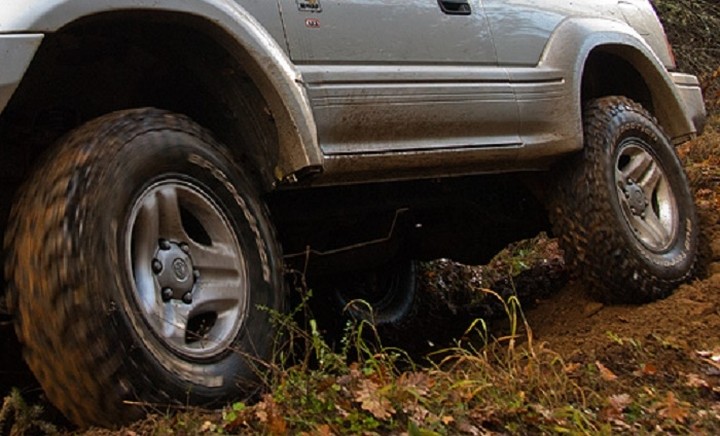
{"x":392,"y":76}
{"x":386,"y":31}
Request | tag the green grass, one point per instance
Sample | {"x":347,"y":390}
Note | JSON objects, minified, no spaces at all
{"x":484,"y":383}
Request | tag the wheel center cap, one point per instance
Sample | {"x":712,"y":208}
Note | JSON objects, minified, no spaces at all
{"x":636,"y":199}
{"x":174,"y":270}
{"x":181,"y":269}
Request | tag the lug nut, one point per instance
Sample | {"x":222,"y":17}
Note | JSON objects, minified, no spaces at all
{"x":157,"y":266}
{"x":185,"y":248}
{"x":164,"y":244}
{"x":196,"y":273}
{"x":167,"y":294}
{"x":187,"y":298}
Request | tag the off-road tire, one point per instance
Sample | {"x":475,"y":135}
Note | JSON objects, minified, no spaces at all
{"x":386,"y":297}
{"x":383,"y":297}
{"x":73,"y":293}
{"x":603,"y":242}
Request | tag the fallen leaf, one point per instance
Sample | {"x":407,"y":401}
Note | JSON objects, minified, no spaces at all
{"x":322,"y":430}
{"x":716,"y":411}
{"x":267,"y":413}
{"x":712,"y":358}
{"x":208,"y":426}
{"x":713,"y":355}
{"x":417,"y":382}
{"x":467,"y":428}
{"x":605,"y":373}
{"x":417,"y":412}
{"x":373,"y":401}
{"x":647,"y":369}
{"x":447,"y":420}
{"x":671,"y":408}
{"x":695,"y":381}
{"x":542,"y":411}
{"x":571,"y":368}
{"x":277,"y":425}
{"x":620,"y":402}
{"x":613,"y":412}
{"x":262,"y":415}
{"x":380,"y":408}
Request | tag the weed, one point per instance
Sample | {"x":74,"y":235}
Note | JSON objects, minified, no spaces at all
{"x":19,"y":418}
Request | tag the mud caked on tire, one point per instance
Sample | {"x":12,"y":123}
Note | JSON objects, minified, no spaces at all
{"x":623,"y":210}
{"x":140,"y":263}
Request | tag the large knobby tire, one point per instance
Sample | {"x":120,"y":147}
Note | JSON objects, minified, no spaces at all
{"x":141,"y":264}
{"x":623,"y":210}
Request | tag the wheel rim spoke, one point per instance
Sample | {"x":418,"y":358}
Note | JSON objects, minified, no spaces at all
{"x":217,"y":257}
{"x":170,"y":221}
{"x":651,"y":179}
{"x":172,"y":322}
{"x":218,"y":295}
{"x":638,"y":165}
{"x":653,"y":230}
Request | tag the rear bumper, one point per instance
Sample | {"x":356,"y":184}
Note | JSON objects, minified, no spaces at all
{"x":16,"y":52}
{"x":688,"y":88}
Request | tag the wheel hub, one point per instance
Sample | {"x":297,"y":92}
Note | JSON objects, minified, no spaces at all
{"x":646,"y":199}
{"x":174,"y":270}
{"x":636,"y":198}
{"x":191,"y":281}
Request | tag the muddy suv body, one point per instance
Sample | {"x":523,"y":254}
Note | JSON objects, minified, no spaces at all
{"x":167,"y":164}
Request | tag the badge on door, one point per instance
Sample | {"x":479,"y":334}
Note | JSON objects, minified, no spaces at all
{"x":309,"y":5}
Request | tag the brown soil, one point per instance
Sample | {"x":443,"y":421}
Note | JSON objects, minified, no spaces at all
{"x":577,"y":327}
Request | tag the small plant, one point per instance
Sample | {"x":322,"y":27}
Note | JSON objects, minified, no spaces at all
{"x":19,"y":418}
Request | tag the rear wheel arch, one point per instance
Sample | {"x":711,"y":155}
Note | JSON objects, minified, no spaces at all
{"x":578,"y":43}
{"x":622,"y":69}
{"x":605,"y":73}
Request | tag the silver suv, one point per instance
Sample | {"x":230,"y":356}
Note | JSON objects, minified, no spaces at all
{"x":172,"y":162}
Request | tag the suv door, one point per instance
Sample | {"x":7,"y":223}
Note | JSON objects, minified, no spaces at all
{"x":399,"y":75}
